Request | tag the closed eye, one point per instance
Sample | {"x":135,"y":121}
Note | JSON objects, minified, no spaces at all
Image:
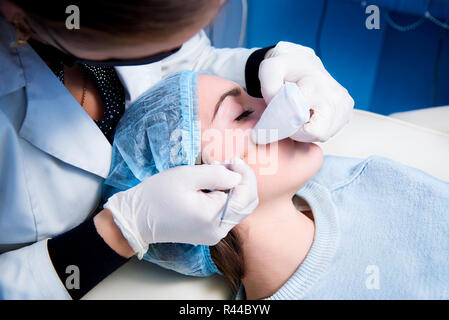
{"x":243,"y":115}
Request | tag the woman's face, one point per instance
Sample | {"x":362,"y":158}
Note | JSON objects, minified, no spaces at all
{"x":227,"y":115}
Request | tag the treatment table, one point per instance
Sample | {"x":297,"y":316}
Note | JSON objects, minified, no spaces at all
{"x":416,"y":138}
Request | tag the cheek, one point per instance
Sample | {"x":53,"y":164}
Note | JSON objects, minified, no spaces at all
{"x":219,"y":144}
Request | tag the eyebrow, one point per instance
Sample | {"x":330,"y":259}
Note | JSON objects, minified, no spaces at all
{"x":234,"y":92}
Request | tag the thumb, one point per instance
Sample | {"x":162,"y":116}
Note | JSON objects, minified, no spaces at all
{"x":248,"y":176}
{"x":319,"y":124}
{"x":271,"y":76}
{"x":215,"y":177}
{"x":244,"y":197}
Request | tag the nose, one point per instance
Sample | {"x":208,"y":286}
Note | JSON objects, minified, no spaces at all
{"x":258,"y":105}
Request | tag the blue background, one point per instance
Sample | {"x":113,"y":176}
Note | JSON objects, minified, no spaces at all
{"x":385,"y":70}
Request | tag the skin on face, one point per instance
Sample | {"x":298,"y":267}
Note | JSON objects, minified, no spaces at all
{"x":228,"y":131}
{"x":276,"y":237}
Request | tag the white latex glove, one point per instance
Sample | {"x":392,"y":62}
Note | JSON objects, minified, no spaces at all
{"x":170,"y":206}
{"x":286,"y":113}
{"x":331,"y":103}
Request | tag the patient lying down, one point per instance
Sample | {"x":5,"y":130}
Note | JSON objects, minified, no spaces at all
{"x":341,"y":228}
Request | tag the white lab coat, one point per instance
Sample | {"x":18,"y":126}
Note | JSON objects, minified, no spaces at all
{"x":53,"y":158}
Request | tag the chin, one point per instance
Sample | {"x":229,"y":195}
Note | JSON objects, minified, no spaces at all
{"x":297,"y":163}
{"x":314,"y":156}
{"x":304,"y":162}
{"x":314,"y":150}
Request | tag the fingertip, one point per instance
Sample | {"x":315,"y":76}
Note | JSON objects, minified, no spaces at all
{"x":271,"y":76}
{"x":240,"y":166}
{"x":235,"y":162}
{"x":235,"y":176}
{"x":238,"y":178}
{"x":216,"y":177}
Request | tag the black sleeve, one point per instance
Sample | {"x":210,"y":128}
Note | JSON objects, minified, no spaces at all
{"x":252,"y":72}
{"x":85,"y":248}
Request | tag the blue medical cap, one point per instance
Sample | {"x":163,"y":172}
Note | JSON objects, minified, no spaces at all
{"x":159,"y":131}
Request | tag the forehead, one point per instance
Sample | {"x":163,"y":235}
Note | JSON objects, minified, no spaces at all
{"x":210,"y":88}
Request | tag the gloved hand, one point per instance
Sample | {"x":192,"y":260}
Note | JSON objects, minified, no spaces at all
{"x":170,"y":206}
{"x":331,"y":103}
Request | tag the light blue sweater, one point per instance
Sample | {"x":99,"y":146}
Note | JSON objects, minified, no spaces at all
{"x":382,"y":232}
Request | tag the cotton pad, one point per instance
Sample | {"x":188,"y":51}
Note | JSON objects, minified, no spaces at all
{"x":283,"y":117}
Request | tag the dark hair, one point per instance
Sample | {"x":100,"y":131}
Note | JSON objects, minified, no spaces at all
{"x":155,"y":19}
{"x":227,"y":256}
